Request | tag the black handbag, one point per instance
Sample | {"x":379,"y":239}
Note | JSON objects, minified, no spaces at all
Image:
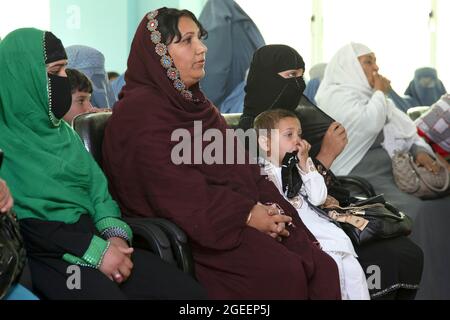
{"x":368,"y":220}
{"x":315,"y":124}
{"x":12,"y":253}
{"x":382,"y":222}
{"x":12,"y":250}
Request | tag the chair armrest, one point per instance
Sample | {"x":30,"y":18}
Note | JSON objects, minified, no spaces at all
{"x":179,"y":244}
{"x":149,"y":236}
{"x":361,"y":183}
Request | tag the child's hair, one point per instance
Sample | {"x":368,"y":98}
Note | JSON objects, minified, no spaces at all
{"x":78,"y":81}
{"x":270,"y":118}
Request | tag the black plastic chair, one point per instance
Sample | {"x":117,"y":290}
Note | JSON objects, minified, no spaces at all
{"x":159,"y":235}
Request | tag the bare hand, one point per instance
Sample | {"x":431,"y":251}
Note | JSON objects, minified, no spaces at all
{"x":381,"y":83}
{"x":303,"y":153}
{"x":119,"y":242}
{"x":333,"y":143}
{"x":264,"y":219}
{"x":423,"y":159}
{"x":330,"y":202}
{"x":116,"y":264}
{"x":6,"y":200}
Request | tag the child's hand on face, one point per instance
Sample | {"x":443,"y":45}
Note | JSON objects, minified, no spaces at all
{"x":303,"y":154}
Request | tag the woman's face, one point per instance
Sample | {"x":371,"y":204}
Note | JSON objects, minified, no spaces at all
{"x":189,"y":53}
{"x":294,"y":73}
{"x":369,"y":64}
{"x":57,"y":68}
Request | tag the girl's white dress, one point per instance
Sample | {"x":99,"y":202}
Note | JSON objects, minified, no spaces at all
{"x":332,"y":239}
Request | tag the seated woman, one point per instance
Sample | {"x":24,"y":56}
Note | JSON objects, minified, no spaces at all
{"x":66,"y":214}
{"x":91,"y":62}
{"x":353,"y":92}
{"x":282,"y":67}
{"x":222,"y":207}
{"x":426,"y":88}
{"x":275,"y":81}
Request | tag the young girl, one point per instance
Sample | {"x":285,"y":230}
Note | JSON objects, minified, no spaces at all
{"x":289,"y":167}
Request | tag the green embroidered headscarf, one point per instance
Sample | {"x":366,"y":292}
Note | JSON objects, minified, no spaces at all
{"x":50,"y":174}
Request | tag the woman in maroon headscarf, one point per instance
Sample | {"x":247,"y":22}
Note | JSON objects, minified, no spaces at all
{"x":241,"y":249}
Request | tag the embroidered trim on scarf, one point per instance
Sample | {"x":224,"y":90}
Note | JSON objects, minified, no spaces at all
{"x":166,"y":60}
{"x":55,"y":121}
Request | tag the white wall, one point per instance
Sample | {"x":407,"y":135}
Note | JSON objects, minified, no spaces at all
{"x":398,"y":31}
{"x":16,"y":14}
{"x":283,"y":22}
{"x":443,"y":42}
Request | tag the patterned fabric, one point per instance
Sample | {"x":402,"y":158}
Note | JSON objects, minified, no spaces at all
{"x":115,"y":232}
{"x":93,"y":256}
{"x":435,"y":124}
{"x":115,"y":224}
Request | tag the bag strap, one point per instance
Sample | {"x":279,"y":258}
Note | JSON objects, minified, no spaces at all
{"x":399,"y":217}
{"x":447,"y":176}
{"x":322,"y":213}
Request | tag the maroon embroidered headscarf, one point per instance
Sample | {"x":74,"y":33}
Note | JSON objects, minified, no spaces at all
{"x":158,"y":108}
{"x":209,"y":202}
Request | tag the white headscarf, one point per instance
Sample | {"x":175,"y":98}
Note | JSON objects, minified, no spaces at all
{"x":360,"y":49}
{"x":345,"y":94}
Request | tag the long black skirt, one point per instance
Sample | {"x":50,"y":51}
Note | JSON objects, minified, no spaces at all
{"x":393,"y":267}
{"x":53,"y":278}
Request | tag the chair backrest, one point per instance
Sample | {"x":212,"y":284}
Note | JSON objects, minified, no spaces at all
{"x":170,"y":245}
{"x":232,"y":119}
{"x":91,"y":128}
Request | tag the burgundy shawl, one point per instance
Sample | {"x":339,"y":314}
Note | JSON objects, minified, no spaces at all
{"x":209,"y":202}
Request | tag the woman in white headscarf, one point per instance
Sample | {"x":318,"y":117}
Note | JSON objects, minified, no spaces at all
{"x":354,"y":93}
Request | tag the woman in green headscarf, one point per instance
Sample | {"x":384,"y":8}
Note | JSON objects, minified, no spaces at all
{"x":66,"y":213}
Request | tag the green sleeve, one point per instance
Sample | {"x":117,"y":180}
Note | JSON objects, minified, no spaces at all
{"x":107,"y":223}
{"x":103,"y":204}
{"x":93,"y":256}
